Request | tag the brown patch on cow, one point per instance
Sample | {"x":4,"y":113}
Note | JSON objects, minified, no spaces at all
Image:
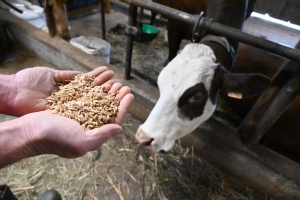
{"x":192,"y":101}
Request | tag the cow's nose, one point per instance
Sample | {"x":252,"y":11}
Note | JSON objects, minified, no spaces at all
{"x":143,"y":139}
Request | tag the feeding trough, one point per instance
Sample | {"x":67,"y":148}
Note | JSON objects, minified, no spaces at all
{"x":146,"y":33}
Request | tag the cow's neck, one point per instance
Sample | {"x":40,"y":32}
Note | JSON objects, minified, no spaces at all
{"x":222,"y":49}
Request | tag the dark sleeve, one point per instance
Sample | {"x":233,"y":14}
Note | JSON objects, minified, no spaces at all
{"x":6,"y":193}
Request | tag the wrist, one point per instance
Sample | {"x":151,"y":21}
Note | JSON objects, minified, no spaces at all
{"x":7,"y":94}
{"x":15,"y":142}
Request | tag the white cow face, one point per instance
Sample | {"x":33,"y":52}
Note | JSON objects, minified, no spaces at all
{"x":184,"y":102}
{"x":189,"y":86}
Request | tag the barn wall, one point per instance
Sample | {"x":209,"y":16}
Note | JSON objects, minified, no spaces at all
{"x":287,"y":10}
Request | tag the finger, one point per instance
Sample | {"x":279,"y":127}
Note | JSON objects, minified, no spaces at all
{"x":123,"y":108}
{"x":64,"y":76}
{"x":115,"y":87}
{"x":126,"y":101}
{"x":122,"y":92}
{"x":103,"y":77}
{"x":98,"y":71}
{"x":106,"y":87}
{"x":98,"y":136}
{"x":111,"y":82}
{"x":51,"y":111}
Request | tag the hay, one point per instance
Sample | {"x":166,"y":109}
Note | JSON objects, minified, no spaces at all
{"x":120,"y":169}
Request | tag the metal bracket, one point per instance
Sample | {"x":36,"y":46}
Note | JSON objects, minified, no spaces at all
{"x":129,"y":29}
{"x":196,"y":33}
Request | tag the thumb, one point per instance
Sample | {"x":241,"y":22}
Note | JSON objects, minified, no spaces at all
{"x":98,"y":136}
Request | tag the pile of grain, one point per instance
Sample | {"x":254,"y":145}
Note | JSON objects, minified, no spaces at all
{"x":90,"y":106}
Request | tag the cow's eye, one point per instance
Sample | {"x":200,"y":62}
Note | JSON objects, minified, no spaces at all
{"x":197,"y":97}
{"x":192,"y":102}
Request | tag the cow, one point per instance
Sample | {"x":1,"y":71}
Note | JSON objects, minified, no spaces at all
{"x":177,"y":31}
{"x":57,"y":18}
{"x":191,"y":82}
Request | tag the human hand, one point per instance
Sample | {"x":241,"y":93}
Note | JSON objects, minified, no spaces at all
{"x":51,"y":133}
{"x":47,"y":133}
{"x":57,"y":137}
{"x":31,"y":86}
{"x":54,"y":134}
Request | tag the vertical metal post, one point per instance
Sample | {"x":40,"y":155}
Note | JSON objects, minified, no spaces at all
{"x":131,"y":22}
{"x":103,"y":19}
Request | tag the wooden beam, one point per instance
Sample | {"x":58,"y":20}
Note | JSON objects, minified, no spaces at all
{"x":262,"y":169}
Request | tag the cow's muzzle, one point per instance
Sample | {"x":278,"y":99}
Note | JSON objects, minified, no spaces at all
{"x":144,"y":140}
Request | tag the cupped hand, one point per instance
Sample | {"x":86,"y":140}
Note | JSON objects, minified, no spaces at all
{"x":31,"y":86}
{"x":126,"y":99}
{"x":53,"y":134}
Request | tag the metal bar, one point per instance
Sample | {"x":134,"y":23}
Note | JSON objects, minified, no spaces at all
{"x":166,"y":11}
{"x":219,"y":29}
{"x":103,"y":19}
{"x":252,"y":40}
{"x":12,"y":6}
{"x":131,"y":22}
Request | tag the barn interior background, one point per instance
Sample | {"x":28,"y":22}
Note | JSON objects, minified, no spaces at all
{"x":120,"y":169}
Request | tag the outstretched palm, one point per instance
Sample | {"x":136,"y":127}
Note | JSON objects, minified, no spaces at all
{"x":31,"y":87}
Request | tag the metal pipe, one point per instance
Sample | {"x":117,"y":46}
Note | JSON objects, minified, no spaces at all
{"x":166,"y":11}
{"x":103,"y":19}
{"x":131,"y":22}
{"x":219,"y":29}
{"x":249,"y":39}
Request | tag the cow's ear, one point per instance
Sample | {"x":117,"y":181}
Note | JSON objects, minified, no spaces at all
{"x":242,"y":85}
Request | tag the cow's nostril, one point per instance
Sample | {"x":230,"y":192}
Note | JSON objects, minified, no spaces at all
{"x":162,"y":152}
{"x":148,"y":143}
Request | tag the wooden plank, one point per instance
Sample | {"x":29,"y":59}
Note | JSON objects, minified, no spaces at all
{"x":214,"y":143}
{"x":271,"y":158}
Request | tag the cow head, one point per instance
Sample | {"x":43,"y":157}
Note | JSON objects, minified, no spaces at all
{"x":189,"y":86}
